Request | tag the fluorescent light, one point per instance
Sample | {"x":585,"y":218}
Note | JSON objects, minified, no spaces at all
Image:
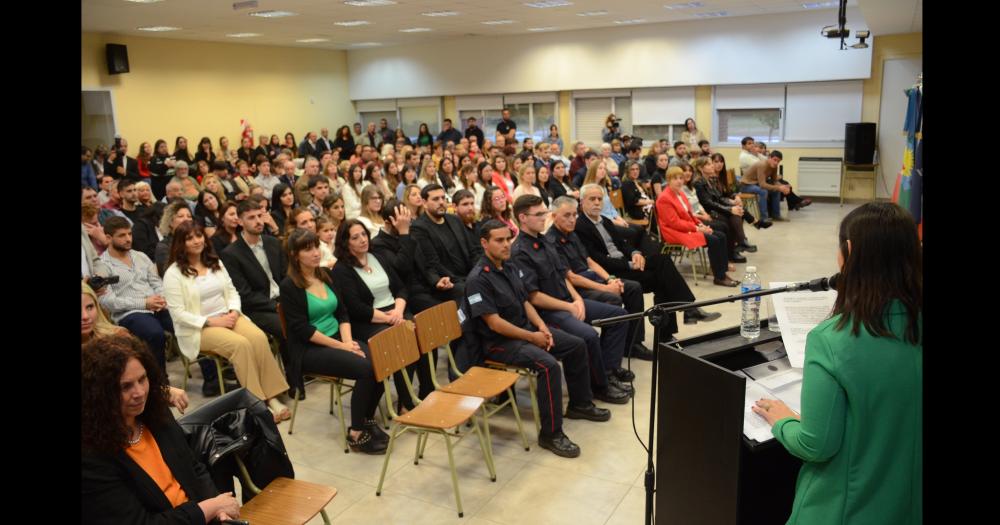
{"x":273,"y":14}
{"x":441,"y":13}
{"x":632,"y":21}
{"x":548,"y":3}
{"x":157,"y":29}
{"x":366,"y":44}
{"x":352,"y":23}
{"x":144,"y":1}
{"x":498,"y":22}
{"x":416,"y":30}
{"x":550,"y":28}
{"x":689,"y":5}
{"x":369,"y":3}
{"x":592,"y":13}
{"x":242,"y":35}
{"x":714,"y":14}
{"x":312,"y":40}
{"x":820,"y":5}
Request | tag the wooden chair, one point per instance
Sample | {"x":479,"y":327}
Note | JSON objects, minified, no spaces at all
{"x":337,"y":390}
{"x":619,"y":204}
{"x":751,"y":204}
{"x":284,"y":501}
{"x":393,"y":350}
{"x":439,"y":325}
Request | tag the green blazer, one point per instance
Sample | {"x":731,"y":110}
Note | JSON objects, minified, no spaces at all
{"x":861,"y":433}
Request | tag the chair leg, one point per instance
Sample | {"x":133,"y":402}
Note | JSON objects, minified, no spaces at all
{"x":334,"y":395}
{"x":335,"y":388}
{"x":454,"y":474}
{"x":423,"y":445}
{"x":487,"y":447}
{"x":517,"y":417}
{"x":534,"y":402}
{"x":222,"y":379}
{"x":326,"y":519}
{"x":388,"y":453}
{"x":383,"y":410}
{"x":295,"y":410}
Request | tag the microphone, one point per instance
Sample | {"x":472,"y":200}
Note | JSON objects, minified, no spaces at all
{"x":819,"y":285}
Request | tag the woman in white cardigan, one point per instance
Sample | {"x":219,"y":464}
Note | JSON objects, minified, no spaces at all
{"x":205,"y":307}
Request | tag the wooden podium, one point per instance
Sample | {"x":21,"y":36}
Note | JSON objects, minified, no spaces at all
{"x":707,"y":472}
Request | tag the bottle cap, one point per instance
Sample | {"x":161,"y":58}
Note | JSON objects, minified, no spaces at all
{"x":751,"y":269}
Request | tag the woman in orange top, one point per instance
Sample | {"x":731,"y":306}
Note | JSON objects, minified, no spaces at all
{"x":679,"y":226}
{"x":136,"y":464}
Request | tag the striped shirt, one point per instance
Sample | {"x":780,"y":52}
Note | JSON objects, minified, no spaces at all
{"x":135,"y":284}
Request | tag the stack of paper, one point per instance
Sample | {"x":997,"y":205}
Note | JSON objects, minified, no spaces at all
{"x":798,"y":313}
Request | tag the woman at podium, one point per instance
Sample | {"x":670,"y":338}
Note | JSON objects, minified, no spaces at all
{"x":860,"y":433}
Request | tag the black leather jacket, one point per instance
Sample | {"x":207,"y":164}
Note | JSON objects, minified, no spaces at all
{"x":237,"y":423}
{"x":717,"y":205}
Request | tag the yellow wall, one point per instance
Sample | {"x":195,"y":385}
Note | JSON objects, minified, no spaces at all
{"x":567,"y":134}
{"x":884,"y":47}
{"x":195,"y":89}
{"x":449,"y":109}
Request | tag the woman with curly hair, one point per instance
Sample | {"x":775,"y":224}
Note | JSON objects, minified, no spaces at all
{"x":136,"y":464}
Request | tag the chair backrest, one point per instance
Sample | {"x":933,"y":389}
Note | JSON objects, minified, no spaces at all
{"x":281,"y":318}
{"x":437,"y":326}
{"x":393,"y":349}
{"x":616,"y":199}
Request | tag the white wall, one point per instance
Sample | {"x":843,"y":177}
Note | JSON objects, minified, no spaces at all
{"x":761,"y":49}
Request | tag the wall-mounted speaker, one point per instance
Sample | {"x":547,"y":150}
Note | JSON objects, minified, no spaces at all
{"x":117,"y":59}
{"x":859,"y":143}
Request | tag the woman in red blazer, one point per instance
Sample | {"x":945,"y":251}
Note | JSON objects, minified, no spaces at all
{"x":679,"y":226}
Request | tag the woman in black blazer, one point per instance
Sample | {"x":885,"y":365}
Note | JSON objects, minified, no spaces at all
{"x":375,"y":296}
{"x":129,"y":436}
{"x":320,"y":339}
{"x":634,"y":198}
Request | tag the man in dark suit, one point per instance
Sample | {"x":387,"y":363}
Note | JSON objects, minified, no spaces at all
{"x":120,"y":165}
{"x":256,"y":264}
{"x":445,"y":254}
{"x":472,"y":131}
{"x":324,"y":143}
{"x":655,"y":272}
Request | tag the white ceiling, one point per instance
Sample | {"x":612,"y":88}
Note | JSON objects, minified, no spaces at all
{"x":212,"y":20}
{"x":888,"y":17}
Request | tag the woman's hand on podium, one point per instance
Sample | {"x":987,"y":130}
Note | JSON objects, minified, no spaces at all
{"x":773,"y":410}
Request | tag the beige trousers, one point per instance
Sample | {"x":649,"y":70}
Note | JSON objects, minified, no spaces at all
{"x":246,"y":347}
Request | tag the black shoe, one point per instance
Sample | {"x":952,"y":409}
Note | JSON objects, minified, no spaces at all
{"x":747,"y":248}
{"x":639,"y":351}
{"x":376,"y":430}
{"x":366,"y":443}
{"x":805,"y":202}
{"x":737,"y":259}
{"x":229,"y":374}
{"x":624,"y":375}
{"x":621,"y":385}
{"x":590,"y":412}
{"x":210,"y":388}
{"x":612,"y":394}
{"x":763,"y":224}
{"x":697,"y":314}
{"x":559,"y":444}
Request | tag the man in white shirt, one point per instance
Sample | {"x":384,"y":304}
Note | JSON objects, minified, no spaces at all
{"x":747,"y":155}
{"x":324,"y":143}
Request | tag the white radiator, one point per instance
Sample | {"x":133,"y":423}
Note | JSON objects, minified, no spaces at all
{"x":819,"y":176}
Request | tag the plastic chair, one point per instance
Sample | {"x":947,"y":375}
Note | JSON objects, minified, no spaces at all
{"x":393,"y":350}
{"x":439,"y":325}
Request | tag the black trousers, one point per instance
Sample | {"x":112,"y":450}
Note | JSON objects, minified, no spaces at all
{"x":364,"y":331}
{"x":662,"y":278}
{"x":718,"y":253}
{"x":632,"y":300}
{"x":317,"y":359}
{"x":569,"y":349}
{"x":271,"y":325}
{"x":158,"y":185}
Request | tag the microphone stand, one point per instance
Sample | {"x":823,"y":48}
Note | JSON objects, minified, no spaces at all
{"x":656,"y":315}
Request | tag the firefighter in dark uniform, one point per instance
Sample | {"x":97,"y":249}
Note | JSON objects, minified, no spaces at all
{"x":559,"y":304}
{"x":592,"y":281}
{"x":509,"y":330}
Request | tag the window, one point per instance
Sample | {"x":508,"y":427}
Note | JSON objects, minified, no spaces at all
{"x":532,"y":119}
{"x":97,"y":118}
{"x":591,"y":112}
{"x":412,"y":117}
{"x":376,"y":117}
{"x":486,"y":119}
{"x":764,"y":125}
{"x":652,"y":133}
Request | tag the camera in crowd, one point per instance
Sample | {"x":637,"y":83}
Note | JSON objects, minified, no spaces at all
{"x":97,"y":282}
{"x":616,"y":123}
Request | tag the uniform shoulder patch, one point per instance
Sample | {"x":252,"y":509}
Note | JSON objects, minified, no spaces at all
{"x":475,"y":298}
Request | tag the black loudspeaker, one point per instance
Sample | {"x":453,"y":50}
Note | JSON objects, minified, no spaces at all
{"x":117,"y":59}
{"x":859,"y":143}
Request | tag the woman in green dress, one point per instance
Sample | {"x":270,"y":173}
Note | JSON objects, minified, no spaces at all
{"x":860,"y":434}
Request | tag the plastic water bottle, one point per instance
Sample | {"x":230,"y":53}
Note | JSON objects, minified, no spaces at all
{"x":750,"y":320}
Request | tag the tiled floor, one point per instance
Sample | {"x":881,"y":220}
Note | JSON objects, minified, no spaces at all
{"x":603,"y":486}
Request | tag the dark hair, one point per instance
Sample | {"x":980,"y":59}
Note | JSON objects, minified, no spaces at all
{"x":220,"y":165}
{"x":341,"y":250}
{"x":290,"y":222}
{"x":776,"y":153}
{"x":297,"y":241}
{"x":102,"y":363}
{"x":448,"y":120}
{"x":885,"y":263}
{"x":486,"y":206}
{"x":462,"y":194}
{"x":260,"y":159}
{"x":632,"y":148}
{"x":428,"y":189}
{"x":331,"y":199}
{"x":115,"y":223}
{"x":389,"y":210}
{"x":691,"y":120}
{"x":723,"y":174}
{"x":178,"y":249}
{"x":156,"y":145}
{"x":124,"y":184}
{"x":524,"y":202}
{"x":315,"y":181}
{"x":279,"y":190}
{"x":745,"y":140}
{"x":202,"y":211}
{"x":486,"y":229}
{"x":203,"y":141}
{"x":248,"y":205}
{"x":702,"y":142}
{"x":678,"y":143}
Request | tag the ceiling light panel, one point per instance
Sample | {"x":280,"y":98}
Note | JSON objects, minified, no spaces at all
{"x":273,"y":14}
{"x":242,"y":35}
{"x":352,"y":23}
{"x":312,"y":40}
{"x":369,"y":3}
{"x":548,"y":3}
{"x":498,"y":22}
{"x":158,"y":29}
{"x":416,"y":30}
{"x":441,"y":13}
{"x":689,"y":5}
{"x":592,"y":13}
